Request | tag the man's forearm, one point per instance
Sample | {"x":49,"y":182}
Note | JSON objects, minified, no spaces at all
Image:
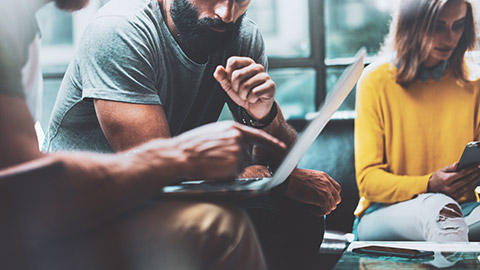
{"x":283,"y":131}
{"x":91,"y":189}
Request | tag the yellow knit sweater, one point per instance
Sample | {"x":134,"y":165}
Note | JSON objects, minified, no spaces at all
{"x":402,"y":136}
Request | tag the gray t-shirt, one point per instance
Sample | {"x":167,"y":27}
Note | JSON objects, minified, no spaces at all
{"x":128,"y":54}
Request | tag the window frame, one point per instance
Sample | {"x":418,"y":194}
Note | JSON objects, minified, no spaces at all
{"x":316,"y":60}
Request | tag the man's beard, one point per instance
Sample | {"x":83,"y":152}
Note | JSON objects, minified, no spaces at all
{"x":71,"y":5}
{"x":195,"y":36}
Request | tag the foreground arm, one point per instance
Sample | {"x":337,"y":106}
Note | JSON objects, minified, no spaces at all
{"x":18,"y":139}
{"x":97,"y":187}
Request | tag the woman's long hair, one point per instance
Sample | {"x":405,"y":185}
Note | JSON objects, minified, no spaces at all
{"x":411,"y":33}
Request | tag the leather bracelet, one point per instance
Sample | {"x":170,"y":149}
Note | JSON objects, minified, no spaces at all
{"x":250,"y":121}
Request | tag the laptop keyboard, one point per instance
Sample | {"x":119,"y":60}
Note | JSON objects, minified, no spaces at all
{"x":218,"y":185}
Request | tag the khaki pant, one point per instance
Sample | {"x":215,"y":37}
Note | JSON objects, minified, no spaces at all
{"x":168,"y":234}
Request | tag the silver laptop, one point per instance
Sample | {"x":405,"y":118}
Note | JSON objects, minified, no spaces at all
{"x":255,"y":186}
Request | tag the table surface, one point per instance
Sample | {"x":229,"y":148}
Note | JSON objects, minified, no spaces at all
{"x":446,"y":256}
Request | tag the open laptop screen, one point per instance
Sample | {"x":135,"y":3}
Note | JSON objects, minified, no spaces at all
{"x":339,"y":93}
{"x":258,"y":186}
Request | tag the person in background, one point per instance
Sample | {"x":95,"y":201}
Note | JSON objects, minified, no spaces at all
{"x":98,"y":214}
{"x":148,"y":69}
{"x":417,"y":108}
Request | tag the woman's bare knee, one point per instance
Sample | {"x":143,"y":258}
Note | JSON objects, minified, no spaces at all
{"x":451,"y":210}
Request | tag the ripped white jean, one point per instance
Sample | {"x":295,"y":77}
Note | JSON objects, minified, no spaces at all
{"x":418,"y":219}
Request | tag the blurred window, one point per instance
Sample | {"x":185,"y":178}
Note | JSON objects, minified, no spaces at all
{"x":352,"y":24}
{"x":60,"y":32}
{"x":283,"y":24}
{"x":313,"y":41}
{"x":297,"y":88}
{"x":308,"y":42}
{"x":56,"y":26}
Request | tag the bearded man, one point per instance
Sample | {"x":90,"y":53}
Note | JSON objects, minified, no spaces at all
{"x":149,"y":69}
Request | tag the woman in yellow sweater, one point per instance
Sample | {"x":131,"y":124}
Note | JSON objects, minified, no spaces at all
{"x":416,"y":110}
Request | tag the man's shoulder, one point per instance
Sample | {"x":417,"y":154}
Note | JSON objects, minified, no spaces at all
{"x":248,"y":26}
{"x":119,"y":19}
{"x":249,"y":41}
{"x":126,"y":8}
{"x":249,"y":31}
{"x":128,"y":14}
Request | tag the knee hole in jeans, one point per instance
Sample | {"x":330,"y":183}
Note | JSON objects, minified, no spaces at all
{"x":451,"y":210}
{"x":449,"y":217}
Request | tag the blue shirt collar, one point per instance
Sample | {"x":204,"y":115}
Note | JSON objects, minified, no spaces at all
{"x":424,"y":73}
{"x":436,"y":72}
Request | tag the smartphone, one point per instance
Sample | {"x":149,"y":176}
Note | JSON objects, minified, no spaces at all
{"x":470,"y":156}
{"x":393,"y":251}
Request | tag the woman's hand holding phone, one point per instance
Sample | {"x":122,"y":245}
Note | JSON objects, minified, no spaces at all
{"x":454,"y":183}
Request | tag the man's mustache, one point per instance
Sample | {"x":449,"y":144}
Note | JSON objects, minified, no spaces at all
{"x":216,"y":23}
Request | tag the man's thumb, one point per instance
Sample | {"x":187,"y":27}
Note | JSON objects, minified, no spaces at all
{"x":221,"y":76}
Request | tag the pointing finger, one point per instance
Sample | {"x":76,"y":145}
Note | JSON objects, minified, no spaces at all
{"x":253,"y":135}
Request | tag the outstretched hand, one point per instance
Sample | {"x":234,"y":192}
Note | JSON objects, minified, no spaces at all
{"x":247,"y":84}
{"x":452,"y":183}
{"x":314,"y":188}
{"x":218,"y":150}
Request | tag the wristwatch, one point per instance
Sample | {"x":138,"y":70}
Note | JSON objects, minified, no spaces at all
{"x":250,"y":121}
